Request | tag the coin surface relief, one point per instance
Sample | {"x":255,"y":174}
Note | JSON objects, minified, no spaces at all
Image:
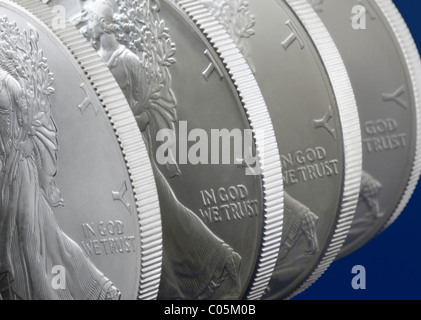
{"x":222,"y":223}
{"x":385,"y":70}
{"x":76,"y":209}
{"x":312,"y":106}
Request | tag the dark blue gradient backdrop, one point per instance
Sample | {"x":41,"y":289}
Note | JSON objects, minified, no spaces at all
{"x":393,"y":259}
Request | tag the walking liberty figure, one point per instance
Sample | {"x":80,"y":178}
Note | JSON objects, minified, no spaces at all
{"x":31,"y":241}
{"x":196,"y":263}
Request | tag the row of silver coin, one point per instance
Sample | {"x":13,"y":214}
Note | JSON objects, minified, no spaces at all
{"x":91,"y":89}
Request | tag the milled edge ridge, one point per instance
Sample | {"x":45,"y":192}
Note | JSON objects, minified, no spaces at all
{"x":351,"y":129}
{"x":413,"y":62}
{"x":129,"y":137}
{"x":260,"y":122}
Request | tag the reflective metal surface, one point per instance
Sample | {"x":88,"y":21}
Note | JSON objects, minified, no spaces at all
{"x":384,"y":67}
{"x":216,"y":218}
{"x":72,"y":224}
{"x":311,"y":103}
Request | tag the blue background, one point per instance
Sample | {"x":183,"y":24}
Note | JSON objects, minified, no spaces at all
{"x":393,"y":259}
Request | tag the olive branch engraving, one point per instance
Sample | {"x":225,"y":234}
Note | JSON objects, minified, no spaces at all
{"x":140,"y":29}
{"x":24,"y":61}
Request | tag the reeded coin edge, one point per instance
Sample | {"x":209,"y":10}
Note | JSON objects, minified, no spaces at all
{"x":351,"y":129}
{"x":129,"y":137}
{"x":260,"y":122}
{"x":413,"y":62}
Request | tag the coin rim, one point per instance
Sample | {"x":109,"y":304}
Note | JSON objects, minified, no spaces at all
{"x":129,"y":137}
{"x":351,"y":128}
{"x":265,"y":140}
{"x":413,"y":63}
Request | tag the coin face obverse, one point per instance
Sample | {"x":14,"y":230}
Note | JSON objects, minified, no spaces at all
{"x":311,"y":103}
{"x":222,"y":223}
{"x":79,"y":204}
{"x":385,"y":70}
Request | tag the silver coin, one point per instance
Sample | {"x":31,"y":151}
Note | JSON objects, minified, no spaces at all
{"x":73,"y":226}
{"x":384,"y":67}
{"x":221,"y":226}
{"x":313,"y":109}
